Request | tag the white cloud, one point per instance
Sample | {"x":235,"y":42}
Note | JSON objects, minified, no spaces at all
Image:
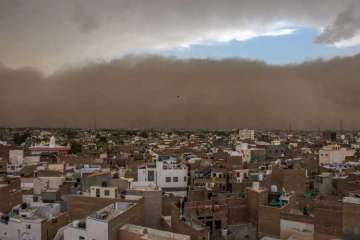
{"x":352,"y":42}
{"x":224,"y":36}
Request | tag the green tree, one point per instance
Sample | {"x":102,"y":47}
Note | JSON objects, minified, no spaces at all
{"x":20,"y":138}
{"x":75,"y":147}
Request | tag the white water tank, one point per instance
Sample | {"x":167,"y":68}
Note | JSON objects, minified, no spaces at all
{"x":255,"y":186}
{"x":274,"y":188}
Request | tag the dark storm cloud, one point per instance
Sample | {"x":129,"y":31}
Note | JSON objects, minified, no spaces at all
{"x":165,"y":92}
{"x":346,"y":25}
{"x":51,"y":33}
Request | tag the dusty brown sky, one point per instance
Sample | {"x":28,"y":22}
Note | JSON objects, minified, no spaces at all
{"x":161,"y":92}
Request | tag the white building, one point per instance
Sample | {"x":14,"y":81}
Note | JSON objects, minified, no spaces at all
{"x":31,"y":220}
{"x":167,"y":173}
{"x":16,"y":157}
{"x":16,"y":162}
{"x":51,"y":147}
{"x":101,"y":225}
{"x":246,"y":134}
{"x":334,"y":154}
{"x":41,"y":184}
{"x":239,"y":175}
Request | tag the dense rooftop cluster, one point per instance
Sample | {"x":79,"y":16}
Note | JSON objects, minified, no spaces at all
{"x":107,"y":184}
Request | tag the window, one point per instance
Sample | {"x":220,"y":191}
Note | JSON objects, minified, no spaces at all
{"x":175,"y":179}
{"x":168,"y":179}
{"x":106,"y":192}
{"x":185,"y":179}
{"x":81,"y":238}
{"x":150,"y":176}
{"x":28,"y":226}
{"x":97,"y":192}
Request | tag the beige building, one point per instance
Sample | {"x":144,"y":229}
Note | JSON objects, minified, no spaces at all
{"x":103,"y":192}
{"x":135,"y":232}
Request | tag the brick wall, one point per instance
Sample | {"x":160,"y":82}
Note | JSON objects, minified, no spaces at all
{"x":290,"y":179}
{"x":237,"y":211}
{"x":328,"y":218}
{"x":254,"y":200}
{"x":11,"y":195}
{"x":351,"y":221}
{"x":53,"y":225}
{"x":269,"y":221}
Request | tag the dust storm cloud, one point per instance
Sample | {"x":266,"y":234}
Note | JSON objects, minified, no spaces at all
{"x":158,"y":92}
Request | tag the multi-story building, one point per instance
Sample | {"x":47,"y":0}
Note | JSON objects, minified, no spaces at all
{"x":167,"y":173}
{"x":105,"y":223}
{"x":33,"y":220}
{"x":334,"y":154}
{"x":10,"y":193}
{"x":246,"y":134}
{"x":103,"y":192}
{"x":351,"y":217}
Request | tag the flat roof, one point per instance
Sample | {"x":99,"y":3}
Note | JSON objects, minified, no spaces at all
{"x":354,"y":200}
{"x":153,"y":234}
{"x":112,"y":211}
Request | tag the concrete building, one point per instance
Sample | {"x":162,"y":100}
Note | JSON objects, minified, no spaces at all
{"x":168,"y":174}
{"x":289,"y":179}
{"x":97,"y":178}
{"x":16,"y":162}
{"x":247,"y":134}
{"x":41,"y":184}
{"x":33,"y":220}
{"x":135,"y":232}
{"x":269,"y":216}
{"x":238,"y":175}
{"x":256,"y":196}
{"x":103,"y":192}
{"x":16,"y":157}
{"x":152,"y":203}
{"x":105,"y":223}
{"x":334,"y":154}
{"x":254,"y":155}
{"x":274,"y":151}
{"x":351,"y":217}
{"x":323,"y":184}
{"x":51,"y":147}
{"x":328,"y":219}
{"x":10,"y":194}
